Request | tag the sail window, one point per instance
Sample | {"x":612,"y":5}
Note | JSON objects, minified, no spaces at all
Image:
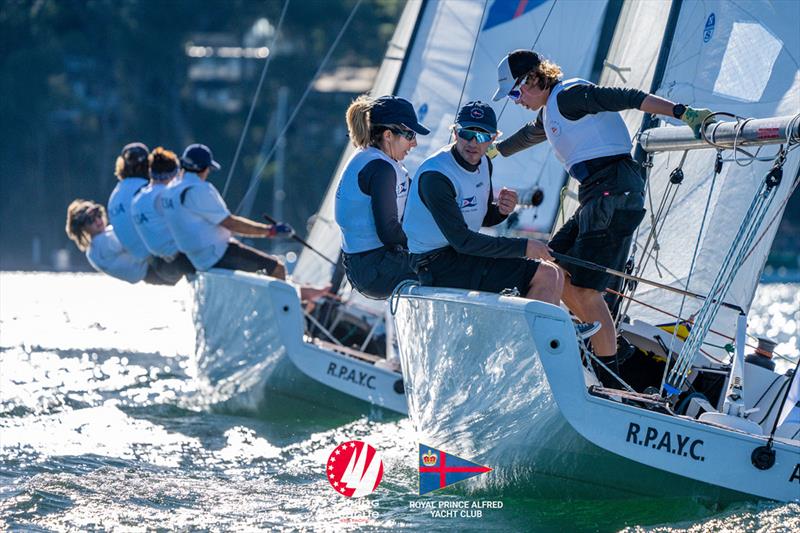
{"x":746,"y":69}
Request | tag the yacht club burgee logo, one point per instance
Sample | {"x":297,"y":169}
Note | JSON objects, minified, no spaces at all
{"x":354,"y":469}
{"x":438,"y":469}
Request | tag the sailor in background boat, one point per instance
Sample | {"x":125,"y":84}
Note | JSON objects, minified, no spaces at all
{"x":372,"y":192}
{"x":148,"y":216}
{"x":451,"y":199}
{"x":132,"y":171}
{"x":589,"y":137}
{"x":202,"y":225}
{"x":87,"y":225}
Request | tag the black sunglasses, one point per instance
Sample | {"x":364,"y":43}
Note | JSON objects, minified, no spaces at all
{"x":410,"y":135}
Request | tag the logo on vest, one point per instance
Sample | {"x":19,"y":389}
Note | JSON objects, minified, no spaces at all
{"x":469,"y":202}
{"x":708,"y":30}
{"x":555,"y":128}
{"x":402,"y":188}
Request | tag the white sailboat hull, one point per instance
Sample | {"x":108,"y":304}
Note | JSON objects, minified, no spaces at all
{"x":250,"y":343}
{"x":484,"y":381}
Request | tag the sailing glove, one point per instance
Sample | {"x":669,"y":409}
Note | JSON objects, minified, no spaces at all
{"x":281,"y":230}
{"x":492,"y":152}
{"x":695,"y":118}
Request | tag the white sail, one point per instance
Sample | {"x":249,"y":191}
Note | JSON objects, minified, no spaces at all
{"x":437,"y":67}
{"x":325,"y":235}
{"x":742,"y":58}
{"x":631,"y":62}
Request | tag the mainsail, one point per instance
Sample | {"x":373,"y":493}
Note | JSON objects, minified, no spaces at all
{"x":742,"y":58}
{"x":450,"y":50}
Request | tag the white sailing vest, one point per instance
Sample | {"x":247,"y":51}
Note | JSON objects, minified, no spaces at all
{"x":119,"y":216}
{"x":575,"y":141}
{"x":148,"y":218}
{"x":203,"y":242}
{"x":107,"y":255}
{"x":353,"y":208}
{"x":472,"y":196}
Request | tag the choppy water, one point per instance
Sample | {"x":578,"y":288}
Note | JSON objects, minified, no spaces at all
{"x":102,"y":426}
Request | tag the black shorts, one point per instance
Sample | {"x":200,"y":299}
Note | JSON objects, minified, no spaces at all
{"x":600,"y":232}
{"x":239,"y":256}
{"x":448,"y":268}
{"x":377,"y":272}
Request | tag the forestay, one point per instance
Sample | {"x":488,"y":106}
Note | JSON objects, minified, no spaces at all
{"x":739,"y":57}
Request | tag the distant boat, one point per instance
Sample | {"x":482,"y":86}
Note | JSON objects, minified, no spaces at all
{"x":504,"y":380}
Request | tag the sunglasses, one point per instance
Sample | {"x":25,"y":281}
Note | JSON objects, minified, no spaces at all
{"x":515,"y":93}
{"x":410,"y":135}
{"x":479,"y":136}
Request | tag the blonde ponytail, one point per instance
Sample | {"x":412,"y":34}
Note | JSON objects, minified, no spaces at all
{"x":358,"y":121}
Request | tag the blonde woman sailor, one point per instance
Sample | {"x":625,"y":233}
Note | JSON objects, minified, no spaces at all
{"x":87,"y":226}
{"x":372,"y":192}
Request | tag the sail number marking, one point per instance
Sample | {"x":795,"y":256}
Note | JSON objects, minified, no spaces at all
{"x":673,"y":443}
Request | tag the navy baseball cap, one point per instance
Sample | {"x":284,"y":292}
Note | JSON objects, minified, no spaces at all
{"x":513,"y":67}
{"x":396,"y":110}
{"x":477,"y":115}
{"x":198,"y":157}
{"x":134,"y":153}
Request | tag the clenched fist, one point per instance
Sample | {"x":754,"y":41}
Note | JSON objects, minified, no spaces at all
{"x":507,"y":201}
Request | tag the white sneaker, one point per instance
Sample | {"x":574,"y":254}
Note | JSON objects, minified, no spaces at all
{"x":584,"y":330}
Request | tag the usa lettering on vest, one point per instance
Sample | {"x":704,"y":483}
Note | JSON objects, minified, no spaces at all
{"x":203,"y":243}
{"x":472,"y":197}
{"x":575,"y":141}
{"x":150,"y":222}
{"x":120,"y":216}
{"x":353,"y":209}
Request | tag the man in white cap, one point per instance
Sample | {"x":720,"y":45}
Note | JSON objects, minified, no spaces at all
{"x":582,"y":123}
{"x":203,"y":226}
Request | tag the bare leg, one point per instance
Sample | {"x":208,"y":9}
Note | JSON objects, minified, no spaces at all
{"x":309,"y":294}
{"x":547,"y":284}
{"x":588,"y":305}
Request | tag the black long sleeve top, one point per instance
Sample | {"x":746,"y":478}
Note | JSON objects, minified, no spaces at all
{"x":574,"y":103}
{"x":377,"y":179}
{"x":439,"y":196}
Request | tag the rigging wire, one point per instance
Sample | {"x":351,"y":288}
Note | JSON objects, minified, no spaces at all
{"x":255,"y":98}
{"x":471,"y":57}
{"x":302,"y":100}
{"x":544,"y":24}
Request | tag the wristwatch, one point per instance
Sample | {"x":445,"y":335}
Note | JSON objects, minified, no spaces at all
{"x":678,"y":110}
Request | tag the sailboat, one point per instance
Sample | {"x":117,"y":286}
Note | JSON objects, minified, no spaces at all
{"x":252,"y":332}
{"x":255,"y":340}
{"x":505,"y":380}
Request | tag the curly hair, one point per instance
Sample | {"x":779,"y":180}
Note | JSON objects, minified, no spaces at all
{"x":547,"y":74}
{"x":164,"y":164}
{"x":78,"y":217}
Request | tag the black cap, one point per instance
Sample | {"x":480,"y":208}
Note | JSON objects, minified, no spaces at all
{"x":396,"y":110}
{"x":477,"y":115}
{"x":197,"y":158}
{"x":512,"y":67}
{"x":135,"y":153}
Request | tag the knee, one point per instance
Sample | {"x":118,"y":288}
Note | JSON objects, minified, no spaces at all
{"x":549,"y":275}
